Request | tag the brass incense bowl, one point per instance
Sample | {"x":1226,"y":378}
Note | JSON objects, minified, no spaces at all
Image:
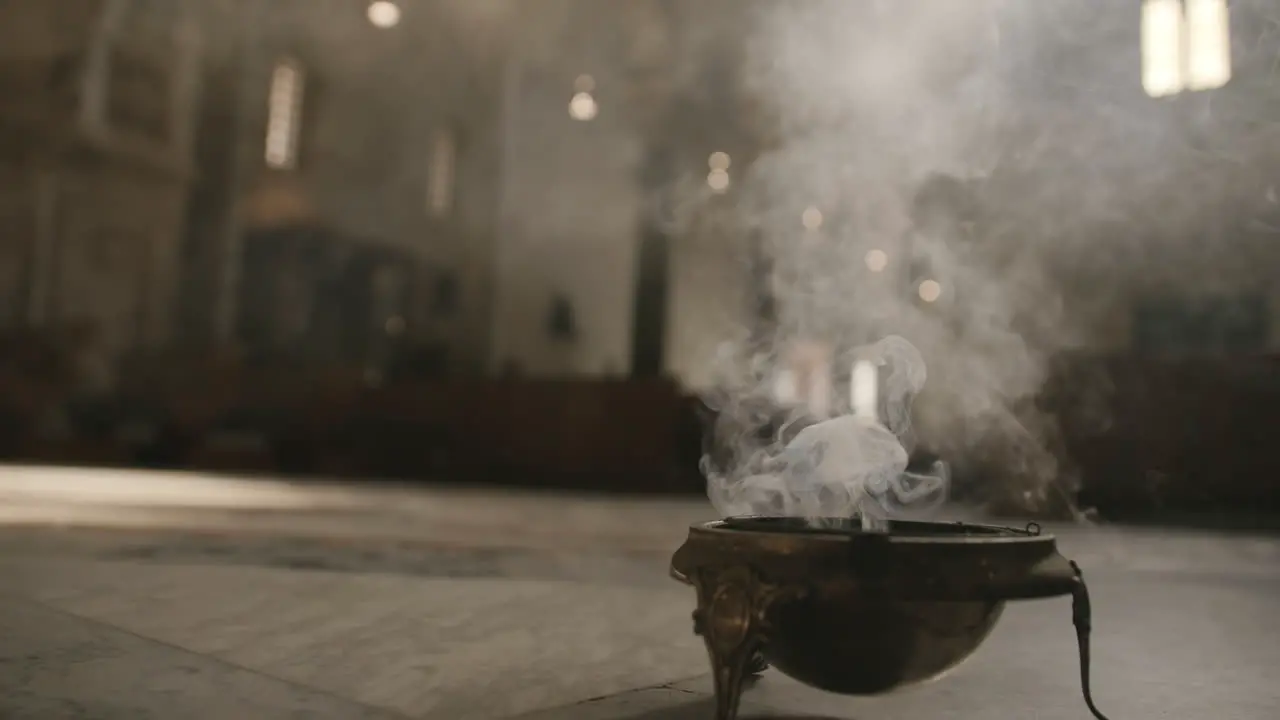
{"x":860,"y":613}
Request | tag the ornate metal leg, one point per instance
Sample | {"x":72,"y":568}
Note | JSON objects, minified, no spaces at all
{"x":729,"y":671}
{"x":732,"y":618}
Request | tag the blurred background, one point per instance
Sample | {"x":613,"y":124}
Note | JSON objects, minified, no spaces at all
{"x":516,"y":243}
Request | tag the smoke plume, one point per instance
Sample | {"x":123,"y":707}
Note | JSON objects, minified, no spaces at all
{"x":852,"y":464}
{"x":942,"y":171}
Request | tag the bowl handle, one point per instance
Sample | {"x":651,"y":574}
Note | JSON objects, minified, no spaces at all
{"x":1052,"y":576}
{"x":1082,"y":618}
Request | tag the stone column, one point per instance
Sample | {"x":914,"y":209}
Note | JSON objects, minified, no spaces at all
{"x":44,"y":247}
{"x":231,"y":255}
{"x":96,"y":78}
{"x":649,"y":324}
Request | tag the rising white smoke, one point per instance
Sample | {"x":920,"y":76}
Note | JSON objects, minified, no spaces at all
{"x":872,"y":100}
{"x":852,"y":464}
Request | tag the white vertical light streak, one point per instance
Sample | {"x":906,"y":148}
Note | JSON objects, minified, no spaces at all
{"x":441,"y":173}
{"x":1186,"y":45}
{"x":864,"y":391}
{"x":1208,"y":44}
{"x":1162,"y":48}
{"x":284,"y":111}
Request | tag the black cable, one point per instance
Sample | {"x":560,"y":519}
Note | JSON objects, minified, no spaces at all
{"x":1082,"y":617}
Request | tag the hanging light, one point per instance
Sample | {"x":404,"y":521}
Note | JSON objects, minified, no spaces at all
{"x":582,"y":106}
{"x":877,"y":260}
{"x":930,"y":291}
{"x":811,"y":218}
{"x":718,"y":181}
{"x":383,"y":14}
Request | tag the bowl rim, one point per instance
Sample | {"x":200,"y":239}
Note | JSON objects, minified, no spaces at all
{"x":987,"y":534}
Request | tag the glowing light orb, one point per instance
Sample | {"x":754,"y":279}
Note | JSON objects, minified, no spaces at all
{"x":811,"y":218}
{"x":718,"y":181}
{"x":384,"y":14}
{"x":877,"y":260}
{"x":583,"y":107}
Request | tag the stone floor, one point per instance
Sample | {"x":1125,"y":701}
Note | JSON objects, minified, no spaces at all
{"x":277,"y":601}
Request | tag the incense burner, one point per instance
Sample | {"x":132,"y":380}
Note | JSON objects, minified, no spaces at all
{"x":861,"y":613}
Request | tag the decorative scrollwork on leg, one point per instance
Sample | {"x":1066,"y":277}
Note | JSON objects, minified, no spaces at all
{"x":734,"y":605}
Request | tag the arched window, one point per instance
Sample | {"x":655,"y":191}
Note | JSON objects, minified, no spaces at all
{"x":442,"y":172}
{"x":284,"y":114}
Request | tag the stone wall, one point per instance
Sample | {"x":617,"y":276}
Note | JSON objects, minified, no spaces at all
{"x":94,"y":202}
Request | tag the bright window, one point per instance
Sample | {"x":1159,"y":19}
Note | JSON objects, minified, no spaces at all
{"x":284,"y":115}
{"x":441,"y":173}
{"x":1186,"y":45}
